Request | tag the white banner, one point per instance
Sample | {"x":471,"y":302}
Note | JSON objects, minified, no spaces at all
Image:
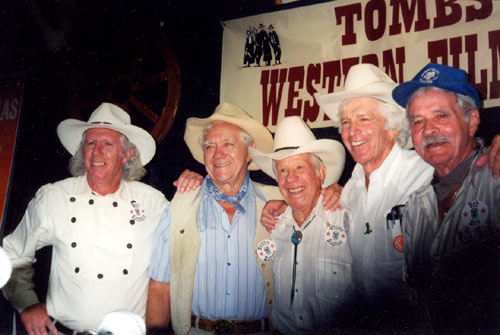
{"x":273,"y":63}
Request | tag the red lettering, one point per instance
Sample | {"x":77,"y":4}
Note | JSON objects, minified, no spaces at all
{"x":408,"y":14}
{"x":442,"y":19}
{"x":471,"y":49}
{"x":494,"y":45}
{"x":311,"y":111}
{"x":438,"y":49}
{"x":331,"y":70}
{"x":295,"y":75}
{"x":390,"y":63}
{"x":374,"y":33}
{"x":348,"y":12}
{"x":481,"y":13}
{"x":271,"y":103}
{"x":455,"y":51}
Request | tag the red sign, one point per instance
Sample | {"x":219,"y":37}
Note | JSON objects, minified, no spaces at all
{"x":11,"y":94}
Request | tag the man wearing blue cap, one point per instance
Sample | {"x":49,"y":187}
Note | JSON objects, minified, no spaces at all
{"x":452,"y":229}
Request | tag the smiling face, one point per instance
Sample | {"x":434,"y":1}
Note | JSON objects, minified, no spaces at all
{"x":226,"y":157}
{"x":441,"y":135}
{"x":364,"y":133}
{"x":299,"y":184}
{"x":103,"y":159}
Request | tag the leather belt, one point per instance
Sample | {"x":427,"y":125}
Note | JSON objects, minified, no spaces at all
{"x":230,"y":326}
{"x":68,"y":331}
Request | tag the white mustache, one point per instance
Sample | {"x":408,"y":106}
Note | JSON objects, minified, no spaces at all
{"x":433,"y":139}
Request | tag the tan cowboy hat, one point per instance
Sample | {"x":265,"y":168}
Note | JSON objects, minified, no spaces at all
{"x":363,"y":80}
{"x":230,"y":114}
{"x":293,"y":137}
{"x":107,"y":116}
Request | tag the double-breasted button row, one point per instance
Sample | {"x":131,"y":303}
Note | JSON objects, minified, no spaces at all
{"x":91,"y":201}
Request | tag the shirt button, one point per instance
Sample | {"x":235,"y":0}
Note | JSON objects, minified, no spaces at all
{"x":228,"y":293}
{"x":125,"y":271}
{"x":129,"y":245}
{"x":100,"y":276}
{"x":91,"y":201}
{"x":132,"y":222}
{"x":334,"y":272}
{"x":228,"y":264}
{"x":72,"y":199}
{"x":73,"y":219}
{"x":73,"y":245}
{"x":115,"y":204}
{"x":301,"y":318}
{"x":263,"y":265}
{"x":228,"y":236}
{"x":77,"y":270}
{"x":268,"y":284}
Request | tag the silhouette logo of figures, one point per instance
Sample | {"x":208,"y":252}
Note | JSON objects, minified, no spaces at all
{"x":258,"y":46}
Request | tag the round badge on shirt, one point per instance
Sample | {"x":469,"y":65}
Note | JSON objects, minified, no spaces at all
{"x":397,"y":243}
{"x":335,"y":235}
{"x":136,"y":211}
{"x":266,"y":250}
{"x":473,"y":219}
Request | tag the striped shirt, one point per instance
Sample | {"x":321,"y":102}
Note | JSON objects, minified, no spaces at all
{"x":228,"y":283}
{"x":323,"y":271}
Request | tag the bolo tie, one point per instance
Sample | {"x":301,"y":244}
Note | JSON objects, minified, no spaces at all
{"x":296,"y":239}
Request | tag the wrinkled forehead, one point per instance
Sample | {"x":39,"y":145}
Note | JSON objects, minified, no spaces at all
{"x":102,"y":132}
{"x":361,"y":105}
{"x":222,"y":130}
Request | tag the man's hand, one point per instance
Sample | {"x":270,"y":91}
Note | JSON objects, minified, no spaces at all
{"x":36,"y":320}
{"x":188,"y":181}
{"x":331,"y":197}
{"x":270,"y":213}
{"x":493,"y":158}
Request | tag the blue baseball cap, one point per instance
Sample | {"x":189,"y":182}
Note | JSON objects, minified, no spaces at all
{"x":436,"y":75}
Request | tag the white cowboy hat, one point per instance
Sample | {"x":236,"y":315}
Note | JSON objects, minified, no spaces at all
{"x":363,"y":80}
{"x":5,"y":267}
{"x":293,"y":137}
{"x":230,"y":114}
{"x":107,"y":116}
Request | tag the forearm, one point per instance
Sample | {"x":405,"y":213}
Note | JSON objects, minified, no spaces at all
{"x":158,"y":305}
{"x":19,"y":290}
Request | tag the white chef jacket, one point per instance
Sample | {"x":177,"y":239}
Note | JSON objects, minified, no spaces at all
{"x":376,"y":244}
{"x":323,"y":271}
{"x":101,"y":249}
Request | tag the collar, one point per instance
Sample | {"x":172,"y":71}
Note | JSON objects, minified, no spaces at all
{"x":252,"y":189}
{"x":318,"y":213}
{"x":443,"y":185}
{"x":385,"y":169}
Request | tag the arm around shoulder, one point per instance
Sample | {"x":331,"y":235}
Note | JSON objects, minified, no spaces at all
{"x":158,"y":305}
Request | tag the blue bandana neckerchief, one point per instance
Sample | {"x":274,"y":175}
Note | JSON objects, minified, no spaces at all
{"x":233,"y":200}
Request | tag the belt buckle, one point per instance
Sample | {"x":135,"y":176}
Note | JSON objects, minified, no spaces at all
{"x":223,"y":327}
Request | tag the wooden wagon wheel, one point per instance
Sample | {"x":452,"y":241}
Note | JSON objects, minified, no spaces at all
{"x":146,"y":83}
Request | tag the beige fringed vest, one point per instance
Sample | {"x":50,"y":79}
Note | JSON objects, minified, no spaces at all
{"x":185,"y":243}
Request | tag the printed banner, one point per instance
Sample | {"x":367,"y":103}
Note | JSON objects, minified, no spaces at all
{"x":11,"y":94}
{"x":273,"y":63}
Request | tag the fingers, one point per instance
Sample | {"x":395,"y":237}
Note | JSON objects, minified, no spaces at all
{"x":494,"y":157}
{"x":331,"y":197}
{"x":188,"y":181}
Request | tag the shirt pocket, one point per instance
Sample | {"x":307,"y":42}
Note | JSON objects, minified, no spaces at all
{"x":333,"y":280}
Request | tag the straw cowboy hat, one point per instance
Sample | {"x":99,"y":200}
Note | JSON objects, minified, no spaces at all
{"x":230,"y":114}
{"x":293,"y":137}
{"x":363,"y":80}
{"x":107,"y":116}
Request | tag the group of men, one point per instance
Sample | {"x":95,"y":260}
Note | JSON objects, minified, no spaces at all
{"x":405,"y":216}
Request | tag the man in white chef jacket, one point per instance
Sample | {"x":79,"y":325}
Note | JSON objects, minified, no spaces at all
{"x":100,"y":224}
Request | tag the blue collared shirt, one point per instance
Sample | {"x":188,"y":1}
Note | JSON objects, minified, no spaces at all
{"x":228,"y":283}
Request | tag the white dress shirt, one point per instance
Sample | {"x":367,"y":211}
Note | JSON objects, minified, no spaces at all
{"x":376,"y":244}
{"x":323,"y":270}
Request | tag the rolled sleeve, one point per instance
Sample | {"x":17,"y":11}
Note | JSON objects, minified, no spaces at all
{"x":159,"y":268}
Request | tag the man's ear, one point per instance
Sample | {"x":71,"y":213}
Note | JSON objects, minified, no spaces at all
{"x":473,"y":122}
{"x":322,"y":173}
{"x":249,"y":157}
{"x":127,"y":155}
